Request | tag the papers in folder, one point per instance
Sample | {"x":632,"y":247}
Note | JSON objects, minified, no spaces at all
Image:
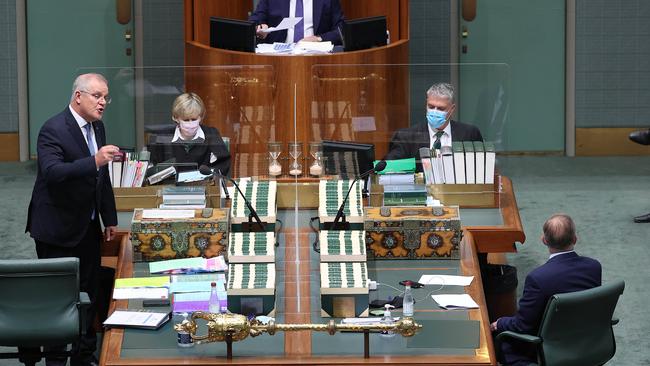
{"x":137,"y":319}
{"x":450,"y":302}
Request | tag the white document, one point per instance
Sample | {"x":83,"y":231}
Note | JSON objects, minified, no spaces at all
{"x":364,"y":124}
{"x":489,"y":167}
{"x":140,"y":293}
{"x":167,"y":214}
{"x":192,"y":176}
{"x":459,"y":167}
{"x":480,"y":166}
{"x":449,"y":302}
{"x":470,"y":167}
{"x":286,"y":23}
{"x":448,"y":163}
{"x":446,"y":280}
{"x":136,"y":319}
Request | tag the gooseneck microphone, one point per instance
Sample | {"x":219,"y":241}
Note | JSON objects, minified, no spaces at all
{"x":205,"y":170}
{"x":339,"y":214}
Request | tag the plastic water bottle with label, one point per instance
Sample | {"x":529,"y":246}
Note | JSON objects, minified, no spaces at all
{"x":213,"y":303}
{"x":407,"y":305}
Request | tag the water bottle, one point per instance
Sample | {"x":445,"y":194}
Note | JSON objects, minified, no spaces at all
{"x":407,"y":304}
{"x":213,"y":304}
{"x":184,"y":339}
{"x":387,"y":319}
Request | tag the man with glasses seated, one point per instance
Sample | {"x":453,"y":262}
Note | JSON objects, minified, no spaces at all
{"x":440,"y":129}
{"x":71,"y":192}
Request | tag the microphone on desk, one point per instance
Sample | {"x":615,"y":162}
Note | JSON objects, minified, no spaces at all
{"x":205,"y":170}
{"x":339,"y":214}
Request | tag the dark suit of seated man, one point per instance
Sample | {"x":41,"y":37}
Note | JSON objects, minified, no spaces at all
{"x":439,"y":130}
{"x":321,"y":20}
{"x":565,"y":271}
{"x":189,"y":141}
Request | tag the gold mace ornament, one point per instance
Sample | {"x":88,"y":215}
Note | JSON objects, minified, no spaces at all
{"x":238,"y":327}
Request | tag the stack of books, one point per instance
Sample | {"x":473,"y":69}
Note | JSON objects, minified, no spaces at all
{"x":128,"y":169}
{"x":465,"y":162}
{"x":183,"y":197}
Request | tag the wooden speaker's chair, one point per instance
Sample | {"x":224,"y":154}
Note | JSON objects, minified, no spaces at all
{"x":40,"y":305}
{"x":576,"y":328}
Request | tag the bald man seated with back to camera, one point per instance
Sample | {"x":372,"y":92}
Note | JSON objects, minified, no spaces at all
{"x":564,"y":271}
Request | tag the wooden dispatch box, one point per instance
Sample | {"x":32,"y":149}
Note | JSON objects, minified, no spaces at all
{"x":412,"y":232}
{"x":344,"y":289}
{"x":251,"y":288}
{"x":160,"y":239}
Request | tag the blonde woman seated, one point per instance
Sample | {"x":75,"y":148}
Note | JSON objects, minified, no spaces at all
{"x":191,"y":141}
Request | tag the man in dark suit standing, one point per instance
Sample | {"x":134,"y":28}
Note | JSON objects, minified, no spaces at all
{"x":439,"y":130}
{"x":321,"y":20}
{"x":565,"y":271}
{"x":73,"y":190}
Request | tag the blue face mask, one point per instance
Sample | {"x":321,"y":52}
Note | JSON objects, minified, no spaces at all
{"x":436,"y":118}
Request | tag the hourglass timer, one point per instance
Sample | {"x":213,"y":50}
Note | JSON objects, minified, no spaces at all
{"x":316,"y":152}
{"x":275,"y":168}
{"x":295,"y":150}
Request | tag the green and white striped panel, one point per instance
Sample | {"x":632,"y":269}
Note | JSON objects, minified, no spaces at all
{"x":262,"y":196}
{"x":251,"y":279}
{"x":343,"y":277}
{"x":343,"y":243}
{"x":251,"y":245}
{"x":331,"y":194}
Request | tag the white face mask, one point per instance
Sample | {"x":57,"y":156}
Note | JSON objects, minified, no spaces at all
{"x":189,"y":128}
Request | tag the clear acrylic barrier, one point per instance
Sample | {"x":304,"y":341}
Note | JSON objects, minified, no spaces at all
{"x":238,"y":123}
{"x":365,"y":105}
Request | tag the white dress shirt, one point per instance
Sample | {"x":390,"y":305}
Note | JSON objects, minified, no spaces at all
{"x":308,"y":18}
{"x":560,"y":253}
{"x":82,"y":122}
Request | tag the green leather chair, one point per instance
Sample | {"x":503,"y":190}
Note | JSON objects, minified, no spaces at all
{"x":40,"y":305}
{"x":576,"y":328}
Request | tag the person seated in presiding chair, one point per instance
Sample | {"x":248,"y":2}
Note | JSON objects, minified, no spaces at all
{"x":321,"y":20}
{"x":440,"y":129}
{"x":565,"y":271}
{"x":190,"y":141}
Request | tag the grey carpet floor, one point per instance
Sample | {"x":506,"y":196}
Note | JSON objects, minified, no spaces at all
{"x":601,"y":194}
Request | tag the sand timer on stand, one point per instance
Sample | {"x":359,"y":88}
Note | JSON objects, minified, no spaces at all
{"x":295,"y":151}
{"x":316,"y":152}
{"x":275,"y":168}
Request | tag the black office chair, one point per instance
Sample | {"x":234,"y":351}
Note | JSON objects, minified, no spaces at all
{"x":576,"y":328}
{"x":40,"y":306}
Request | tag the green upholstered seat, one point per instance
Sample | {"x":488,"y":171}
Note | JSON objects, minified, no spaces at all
{"x":576,"y":328}
{"x":40,"y":302}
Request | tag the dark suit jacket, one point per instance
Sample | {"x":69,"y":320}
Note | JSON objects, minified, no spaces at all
{"x":162,"y":149}
{"x":327,"y":17}
{"x":68,"y":185}
{"x":407,"y":142}
{"x":561,"y":274}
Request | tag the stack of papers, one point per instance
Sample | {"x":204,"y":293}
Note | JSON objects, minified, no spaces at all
{"x":141,"y":288}
{"x":449,"y":302}
{"x":304,"y":47}
{"x":189,"y":265}
{"x":192,"y":292}
{"x":446,"y":280}
{"x":137,"y":319}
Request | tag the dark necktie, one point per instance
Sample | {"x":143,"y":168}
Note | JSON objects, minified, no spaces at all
{"x":89,"y":138}
{"x":299,"y":30}
{"x":436,"y":142}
